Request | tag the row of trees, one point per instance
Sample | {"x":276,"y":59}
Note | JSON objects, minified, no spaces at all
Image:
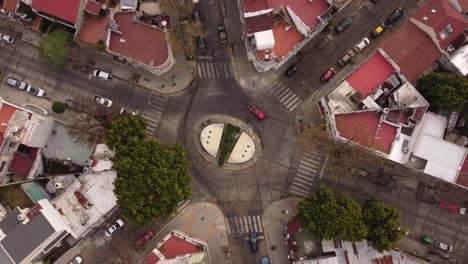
{"x":330,"y":216}
{"x":151,"y":178}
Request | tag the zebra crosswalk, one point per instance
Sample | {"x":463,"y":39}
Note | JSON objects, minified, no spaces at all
{"x":154,"y":112}
{"x":309,"y":167}
{"x":238,"y":225}
{"x":214,"y":70}
{"x":285,"y":96}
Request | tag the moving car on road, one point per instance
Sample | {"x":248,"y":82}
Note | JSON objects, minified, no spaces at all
{"x":378,"y":30}
{"x":16,"y":83}
{"x":145,"y":238}
{"x":116,"y":226}
{"x":361,"y":45}
{"x":101,"y":100}
{"x":222,"y":34}
{"x":76,"y":260}
{"x":35,"y":91}
{"x":257,"y":112}
{"x":444,"y":247}
{"x":291,"y":70}
{"x":102,"y":75}
{"x":395,"y":15}
{"x":344,"y":24}
{"x":328,"y":74}
{"x":7,"y":38}
{"x":253,"y":241}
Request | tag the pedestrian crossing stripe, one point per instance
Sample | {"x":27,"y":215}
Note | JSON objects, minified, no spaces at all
{"x":285,"y":96}
{"x":306,"y":172}
{"x":238,"y":225}
{"x":214,"y":70}
{"x":154,"y":113}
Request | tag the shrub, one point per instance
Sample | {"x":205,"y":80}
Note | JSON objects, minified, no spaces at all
{"x":58,"y":107}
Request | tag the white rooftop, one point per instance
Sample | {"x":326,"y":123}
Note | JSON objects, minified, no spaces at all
{"x":264,"y":39}
{"x":460,"y":60}
{"x":102,"y":155}
{"x":98,"y":189}
{"x":210,"y":138}
{"x":244,"y":149}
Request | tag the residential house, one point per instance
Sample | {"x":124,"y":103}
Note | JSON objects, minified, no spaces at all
{"x":275,"y":30}
{"x":142,"y":45}
{"x":27,"y":235}
{"x":65,"y":12}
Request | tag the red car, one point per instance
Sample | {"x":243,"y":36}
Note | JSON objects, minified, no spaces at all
{"x":145,"y":238}
{"x":256,"y":111}
{"x":327,"y":76}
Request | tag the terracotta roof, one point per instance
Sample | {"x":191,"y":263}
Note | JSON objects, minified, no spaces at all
{"x":370,"y":75}
{"x":255,"y":5}
{"x":176,"y":246}
{"x":442,"y":17}
{"x":412,"y":50}
{"x":6,"y":113}
{"x":152,"y":258}
{"x":10,"y":5}
{"x":138,"y":41}
{"x":22,"y":163}
{"x":63,"y":9}
{"x":258,"y":23}
{"x":93,"y":7}
{"x":94,"y":29}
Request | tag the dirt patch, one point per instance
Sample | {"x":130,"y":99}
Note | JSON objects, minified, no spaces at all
{"x":14,"y":196}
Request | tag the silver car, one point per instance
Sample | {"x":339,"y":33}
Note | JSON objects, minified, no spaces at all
{"x":102,"y":75}
{"x":6,"y":38}
{"x":35,"y":91}
{"x":116,"y":226}
{"x":16,"y":83}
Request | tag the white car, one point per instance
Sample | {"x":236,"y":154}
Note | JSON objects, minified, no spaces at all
{"x":16,"y":83}
{"x":35,"y":91}
{"x":77,"y":260}
{"x":116,"y":226}
{"x":444,"y":246}
{"x":102,"y":75}
{"x":101,"y":100}
{"x":361,"y":45}
{"x":6,"y":38}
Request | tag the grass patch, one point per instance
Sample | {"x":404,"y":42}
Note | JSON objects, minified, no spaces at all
{"x":14,"y":196}
{"x":228,"y":141}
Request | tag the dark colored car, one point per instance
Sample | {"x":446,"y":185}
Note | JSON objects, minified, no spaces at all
{"x":395,"y":15}
{"x":196,"y":16}
{"x":328,"y":74}
{"x":145,"y":238}
{"x":253,"y":241}
{"x":374,"y":1}
{"x":291,"y":70}
{"x":378,"y":30}
{"x":344,"y":24}
{"x":201,"y":44}
{"x":257,"y":112}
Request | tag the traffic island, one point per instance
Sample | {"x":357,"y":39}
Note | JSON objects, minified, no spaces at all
{"x":227,"y":142}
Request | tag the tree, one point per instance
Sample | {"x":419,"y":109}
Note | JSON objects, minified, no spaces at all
{"x":330,"y":216}
{"x":58,"y":107}
{"x":151,"y":178}
{"x":183,"y":8}
{"x":53,"y":48}
{"x":384,"y":229}
{"x":445,"y":91}
{"x":342,"y":158}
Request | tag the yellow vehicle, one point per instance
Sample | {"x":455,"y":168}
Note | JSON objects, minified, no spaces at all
{"x":378,"y":30}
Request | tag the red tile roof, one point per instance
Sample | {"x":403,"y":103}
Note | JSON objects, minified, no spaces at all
{"x":175,"y":246}
{"x":94,"y":29}
{"x":363,"y":128}
{"x":438,"y":14}
{"x":93,"y":7}
{"x":138,"y":41}
{"x":151,"y":259}
{"x":22,"y":163}
{"x":6,"y":113}
{"x":412,"y":50}
{"x":255,"y":5}
{"x":371,"y":74}
{"x":258,"y":23}
{"x":64,"y":9}
{"x":10,"y":5}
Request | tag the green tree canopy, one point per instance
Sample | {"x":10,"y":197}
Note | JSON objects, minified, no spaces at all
{"x":151,"y":178}
{"x":384,"y":229}
{"x":445,"y":91}
{"x":53,"y":48}
{"x":330,"y":216}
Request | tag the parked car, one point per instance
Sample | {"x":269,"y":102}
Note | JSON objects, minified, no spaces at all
{"x":145,"y":238}
{"x":361,"y":45}
{"x":328,"y":74}
{"x":395,"y":15}
{"x":265,"y":260}
{"x":116,"y":226}
{"x":102,"y":75}
{"x":196,"y":16}
{"x":462,"y":211}
{"x":257,"y":112}
{"x":346,"y":58}
{"x":201,"y":44}
{"x":291,"y":70}
{"x":344,"y":24}
{"x":127,"y":111}
{"x":253,"y":241}
{"x":7,"y":38}
{"x":101,"y":100}
{"x":450,"y":206}
{"x":378,"y":30}
{"x":35,"y":91}
{"x":222,"y":34}
{"x":16,"y":83}
{"x":76,"y":260}
{"x":444,"y":246}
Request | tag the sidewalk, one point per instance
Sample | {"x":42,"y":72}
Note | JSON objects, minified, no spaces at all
{"x":275,"y":219}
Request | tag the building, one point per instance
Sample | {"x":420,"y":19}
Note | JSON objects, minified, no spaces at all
{"x":377,"y":108}
{"x":178,"y":248}
{"x":142,"y":45}
{"x":65,"y":12}
{"x":27,"y":235}
{"x":275,"y":30}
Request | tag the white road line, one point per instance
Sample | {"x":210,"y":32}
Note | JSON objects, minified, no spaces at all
{"x":226,"y":70}
{"x":211,"y":70}
{"x":280,"y":95}
{"x":251,"y":224}
{"x":239,"y":225}
{"x":246,"y":224}
{"x":259,"y":220}
{"x":280,"y":87}
{"x":228,"y":227}
{"x":295,"y":106}
{"x":200,"y":70}
{"x":296,"y":190}
{"x":293,"y":102}
{"x":285,"y":96}
{"x":308,"y":180}
{"x":292,"y":98}
{"x":312,"y":155}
